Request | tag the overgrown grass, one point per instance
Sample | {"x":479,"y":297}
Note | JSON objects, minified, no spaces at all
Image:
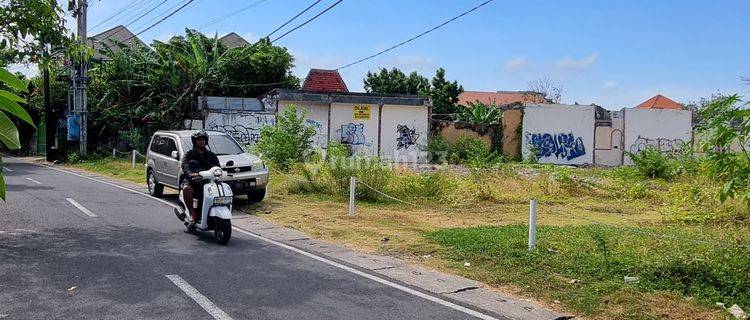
{"x":596,"y":259}
{"x":116,"y":168}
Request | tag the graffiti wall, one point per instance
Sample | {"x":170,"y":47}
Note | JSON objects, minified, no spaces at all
{"x":663,"y":129}
{"x":559,"y":134}
{"x":404,"y":133}
{"x":356,"y":125}
{"x":316,"y":115}
{"x":243,"y":126}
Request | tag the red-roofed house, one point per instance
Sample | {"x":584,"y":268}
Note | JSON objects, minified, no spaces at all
{"x":321,"y":80}
{"x":499,"y":97}
{"x":659,"y":102}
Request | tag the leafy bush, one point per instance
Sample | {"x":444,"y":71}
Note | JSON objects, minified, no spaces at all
{"x":338,"y":150}
{"x":725,"y":126}
{"x":438,"y":149}
{"x":74,"y":157}
{"x":473,"y":152}
{"x":288,"y":142}
{"x":479,"y":113}
{"x":653,"y":163}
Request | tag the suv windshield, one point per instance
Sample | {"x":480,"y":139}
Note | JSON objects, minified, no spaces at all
{"x":219,"y":144}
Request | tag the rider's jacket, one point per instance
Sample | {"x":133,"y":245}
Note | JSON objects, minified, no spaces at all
{"x":206,"y":160}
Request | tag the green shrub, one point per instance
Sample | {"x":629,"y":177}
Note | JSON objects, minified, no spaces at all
{"x":474,"y":153}
{"x":74,"y":157}
{"x":338,"y":150}
{"x":478,"y":113}
{"x":288,"y":142}
{"x":369,"y":171}
{"x":653,"y":163}
{"x":438,"y":149}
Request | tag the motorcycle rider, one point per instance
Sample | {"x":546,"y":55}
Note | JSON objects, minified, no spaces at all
{"x":201,"y":159}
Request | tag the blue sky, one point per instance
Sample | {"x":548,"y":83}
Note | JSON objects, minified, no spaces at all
{"x":613,"y":53}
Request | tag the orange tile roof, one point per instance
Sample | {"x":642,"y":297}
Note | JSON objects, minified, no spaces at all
{"x":499,"y":97}
{"x":324,"y":80}
{"x":659,"y":102}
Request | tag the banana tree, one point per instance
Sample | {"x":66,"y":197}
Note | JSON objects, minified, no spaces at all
{"x":9,"y":105}
{"x":480,"y":113}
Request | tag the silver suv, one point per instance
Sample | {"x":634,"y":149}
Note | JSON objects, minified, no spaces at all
{"x":165,"y":152}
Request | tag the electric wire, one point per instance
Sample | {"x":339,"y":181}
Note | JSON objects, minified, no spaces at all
{"x":309,"y":20}
{"x":227,"y":16}
{"x":295,"y":17}
{"x":417,"y":36}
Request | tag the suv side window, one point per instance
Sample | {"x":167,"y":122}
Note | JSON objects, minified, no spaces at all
{"x":156,"y":144}
{"x":169,"y":146}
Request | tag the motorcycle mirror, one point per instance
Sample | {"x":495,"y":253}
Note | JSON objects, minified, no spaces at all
{"x":230,"y":163}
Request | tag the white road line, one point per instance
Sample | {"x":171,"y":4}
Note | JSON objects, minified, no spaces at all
{"x":34,"y":181}
{"x":200,"y":299}
{"x":7,"y":169}
{"x":310,"y":255}
{"x":372,"y":277}
{"x":80,"y":207}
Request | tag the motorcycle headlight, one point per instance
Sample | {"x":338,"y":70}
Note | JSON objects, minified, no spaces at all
{"x":218,"y":173}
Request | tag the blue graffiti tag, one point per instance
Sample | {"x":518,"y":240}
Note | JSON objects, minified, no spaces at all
{"x":561,"y":145}
{"x":353,"y":133}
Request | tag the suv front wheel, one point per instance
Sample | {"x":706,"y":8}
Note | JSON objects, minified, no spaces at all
{"x":155,"y":188}
{"x":256,"y":195}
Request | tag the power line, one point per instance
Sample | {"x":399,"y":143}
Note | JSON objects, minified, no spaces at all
{"x":292,"y":19}
{"x":146,"y":13}
{"x":154,"y":18}
{"x":123,"y":10}
{"x":309,"y":20}
{"x":417,"y":36}
{"x":227,"y":16}
{"x":162,"y":19}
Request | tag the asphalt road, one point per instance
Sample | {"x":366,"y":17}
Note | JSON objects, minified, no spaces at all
{"x":124,"y":259}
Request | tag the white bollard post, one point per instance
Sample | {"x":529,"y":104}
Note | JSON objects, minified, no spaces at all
{"x":133,"y":158}
{"x":113,"y":153}
{"x":352,"y":186}
{"x":532,"y":225}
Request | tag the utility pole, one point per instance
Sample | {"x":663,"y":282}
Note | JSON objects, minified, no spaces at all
{"x":50,"y":120}
{"x":81,"y":80}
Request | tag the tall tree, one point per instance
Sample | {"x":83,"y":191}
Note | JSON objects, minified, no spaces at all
{"x":395,"y":81}
{"x":445,"y":94}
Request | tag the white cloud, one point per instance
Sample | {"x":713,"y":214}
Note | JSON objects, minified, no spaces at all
{"x":610,"y":84}
{"x":517,"y":64}
{"x":568,"y":63}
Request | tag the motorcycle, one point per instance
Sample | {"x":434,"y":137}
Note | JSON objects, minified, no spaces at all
{"x":214,"y":207}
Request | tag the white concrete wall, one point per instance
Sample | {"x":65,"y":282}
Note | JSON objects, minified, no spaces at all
{"x":561,"y":134}
{"x":361,"y":134}
{"x":661,"y":128}
{"x":243,"y":126}
{"x":404,"y":132}
{"x":317,"y":116}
